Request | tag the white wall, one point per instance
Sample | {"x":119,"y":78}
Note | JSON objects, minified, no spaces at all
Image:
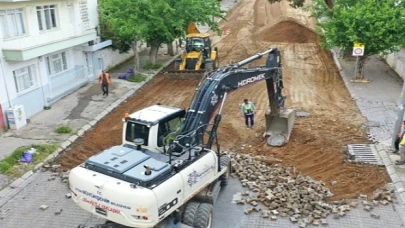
{"x":93,"y":12}
{"x":113,"y":58}
{"x":34,"y":36}
{"x":396,"y":61}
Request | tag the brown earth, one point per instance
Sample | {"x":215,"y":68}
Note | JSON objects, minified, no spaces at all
{"x":312,"y":82}
{"x":290,"y":32}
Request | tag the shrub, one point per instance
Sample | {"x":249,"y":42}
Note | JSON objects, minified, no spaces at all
{"x":63,"y":129}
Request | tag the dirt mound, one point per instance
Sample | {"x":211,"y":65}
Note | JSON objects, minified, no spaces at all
{"x":289,"y":32}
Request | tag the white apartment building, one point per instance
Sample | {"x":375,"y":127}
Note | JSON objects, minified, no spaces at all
{"x":48,"y":49}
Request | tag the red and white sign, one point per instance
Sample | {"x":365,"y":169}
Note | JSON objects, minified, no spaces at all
{"x":99,"y":205}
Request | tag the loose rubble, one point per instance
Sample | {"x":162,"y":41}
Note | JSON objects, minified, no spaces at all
{"x":282,"y":191}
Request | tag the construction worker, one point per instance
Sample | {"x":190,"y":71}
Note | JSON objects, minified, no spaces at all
{"x":105,"y":80}
{"x":399,"y":137}
{"x":401,"y":161}
{"x":248,"y":111}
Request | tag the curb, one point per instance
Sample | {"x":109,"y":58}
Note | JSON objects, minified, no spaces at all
{"x":382,"y":150}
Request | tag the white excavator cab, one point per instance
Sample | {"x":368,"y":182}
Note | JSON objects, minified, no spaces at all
{"x":156,"y":125}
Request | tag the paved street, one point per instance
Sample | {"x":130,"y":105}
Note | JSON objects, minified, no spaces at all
{"x":378,"y":101}
{"x":19,"y":207}
{"x":23,"y":209}
{"x":228,"y":214}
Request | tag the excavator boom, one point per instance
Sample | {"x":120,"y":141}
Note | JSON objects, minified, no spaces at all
{"x":215,"y":86}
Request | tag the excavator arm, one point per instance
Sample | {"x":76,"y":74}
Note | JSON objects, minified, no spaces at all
{"x":216,"y":86}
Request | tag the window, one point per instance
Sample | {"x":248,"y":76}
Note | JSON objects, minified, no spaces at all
{"x":56,"y":63}
{"x":136,"y":130}
{"x":12,"y":23}
{"x":165,"y":128}
{"x":24,"y":78}
{"x":46,"y":17}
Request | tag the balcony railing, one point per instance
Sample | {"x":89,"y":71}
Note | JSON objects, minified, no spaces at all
{"x":66,"y":82}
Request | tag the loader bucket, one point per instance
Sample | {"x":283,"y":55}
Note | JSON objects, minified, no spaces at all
{"x":279,"y":127}
{"x":185,"y":74}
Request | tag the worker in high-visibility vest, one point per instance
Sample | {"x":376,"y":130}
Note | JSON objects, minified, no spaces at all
{"x":400,"y":135}
{"x":248,"y":110}
{"x":401,"y":161}
{"x":104,"y":80}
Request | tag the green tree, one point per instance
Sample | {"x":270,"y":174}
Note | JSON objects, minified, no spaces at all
{"x":127,"y":22}
{"x":379,"y":25}
{"x":294,"y":3}
{"x":121,"y":21}
{"x":168,"y":20}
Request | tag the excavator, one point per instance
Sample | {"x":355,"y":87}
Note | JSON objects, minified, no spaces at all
{"x":198,"y":58}
{"x":167,"y":173}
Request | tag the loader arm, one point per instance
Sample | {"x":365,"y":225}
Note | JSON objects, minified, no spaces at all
{"x":214,"y":88}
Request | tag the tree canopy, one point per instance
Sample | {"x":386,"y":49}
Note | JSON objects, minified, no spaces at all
{"x":294,"y":3}
{"x":153,"y":21}
{"x":380,"y":25}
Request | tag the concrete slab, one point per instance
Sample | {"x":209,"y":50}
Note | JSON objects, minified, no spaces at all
{"x":65,"y":144}
{"x":390,"y":169}
{"x":86,"y":127}
{"x":80,"y":132}
{"x":73,"y":138}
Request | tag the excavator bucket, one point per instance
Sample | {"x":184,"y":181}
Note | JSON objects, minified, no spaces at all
{"x":279,"y":127}
{"x":192,"y":28}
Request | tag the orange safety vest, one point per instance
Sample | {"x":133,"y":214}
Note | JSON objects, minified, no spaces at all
{"x":100,"y":78}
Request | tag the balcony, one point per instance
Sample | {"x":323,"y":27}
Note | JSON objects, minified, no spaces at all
{"x":29,"y":47}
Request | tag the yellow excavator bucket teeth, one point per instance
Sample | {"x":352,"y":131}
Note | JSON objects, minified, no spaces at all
{"x":279,"y":128}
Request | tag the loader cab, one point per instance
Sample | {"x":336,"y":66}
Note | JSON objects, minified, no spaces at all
{"x":199,"y":42}
{"x":156,"y":125}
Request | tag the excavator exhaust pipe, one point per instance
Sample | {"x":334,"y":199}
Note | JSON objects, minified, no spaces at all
{"x":279,"y":128}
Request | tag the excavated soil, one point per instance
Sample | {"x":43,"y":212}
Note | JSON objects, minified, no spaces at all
{"x":290,"y":32}
{"x":312,"y":84}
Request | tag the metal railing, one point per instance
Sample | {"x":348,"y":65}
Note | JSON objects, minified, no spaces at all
{"x":64,"y":82}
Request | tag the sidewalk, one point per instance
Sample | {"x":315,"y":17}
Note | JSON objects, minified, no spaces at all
{"x":75,"y":110}
{"x":378,"y":101}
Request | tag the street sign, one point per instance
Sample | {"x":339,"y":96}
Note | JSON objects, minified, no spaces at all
{"x":358,"y":49}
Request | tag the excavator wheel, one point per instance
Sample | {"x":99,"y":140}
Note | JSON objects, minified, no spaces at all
{"x":198,"y":215}
{"x":209,"y":65}
{"x":225,"y":161}
{"x":177,"y":63}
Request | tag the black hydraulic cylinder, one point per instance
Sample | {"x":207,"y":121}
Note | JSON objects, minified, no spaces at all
{"x":253,"y":58}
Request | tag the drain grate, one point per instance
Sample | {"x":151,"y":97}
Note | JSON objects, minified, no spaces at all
{"x":364,"y":153}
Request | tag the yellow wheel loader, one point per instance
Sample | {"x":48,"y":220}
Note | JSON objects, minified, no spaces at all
{"x":198,"y":57}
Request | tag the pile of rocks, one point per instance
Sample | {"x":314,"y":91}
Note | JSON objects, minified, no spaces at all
{"x":282,"y":191}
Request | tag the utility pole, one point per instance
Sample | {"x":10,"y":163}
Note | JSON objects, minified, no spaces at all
{"x":356,"y":68}
{"x":400,"y":117}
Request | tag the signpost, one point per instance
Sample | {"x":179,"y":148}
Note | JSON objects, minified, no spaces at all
{"x":358,"y":50}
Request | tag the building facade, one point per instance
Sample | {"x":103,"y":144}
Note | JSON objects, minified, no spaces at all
{"x":48,"y":50}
